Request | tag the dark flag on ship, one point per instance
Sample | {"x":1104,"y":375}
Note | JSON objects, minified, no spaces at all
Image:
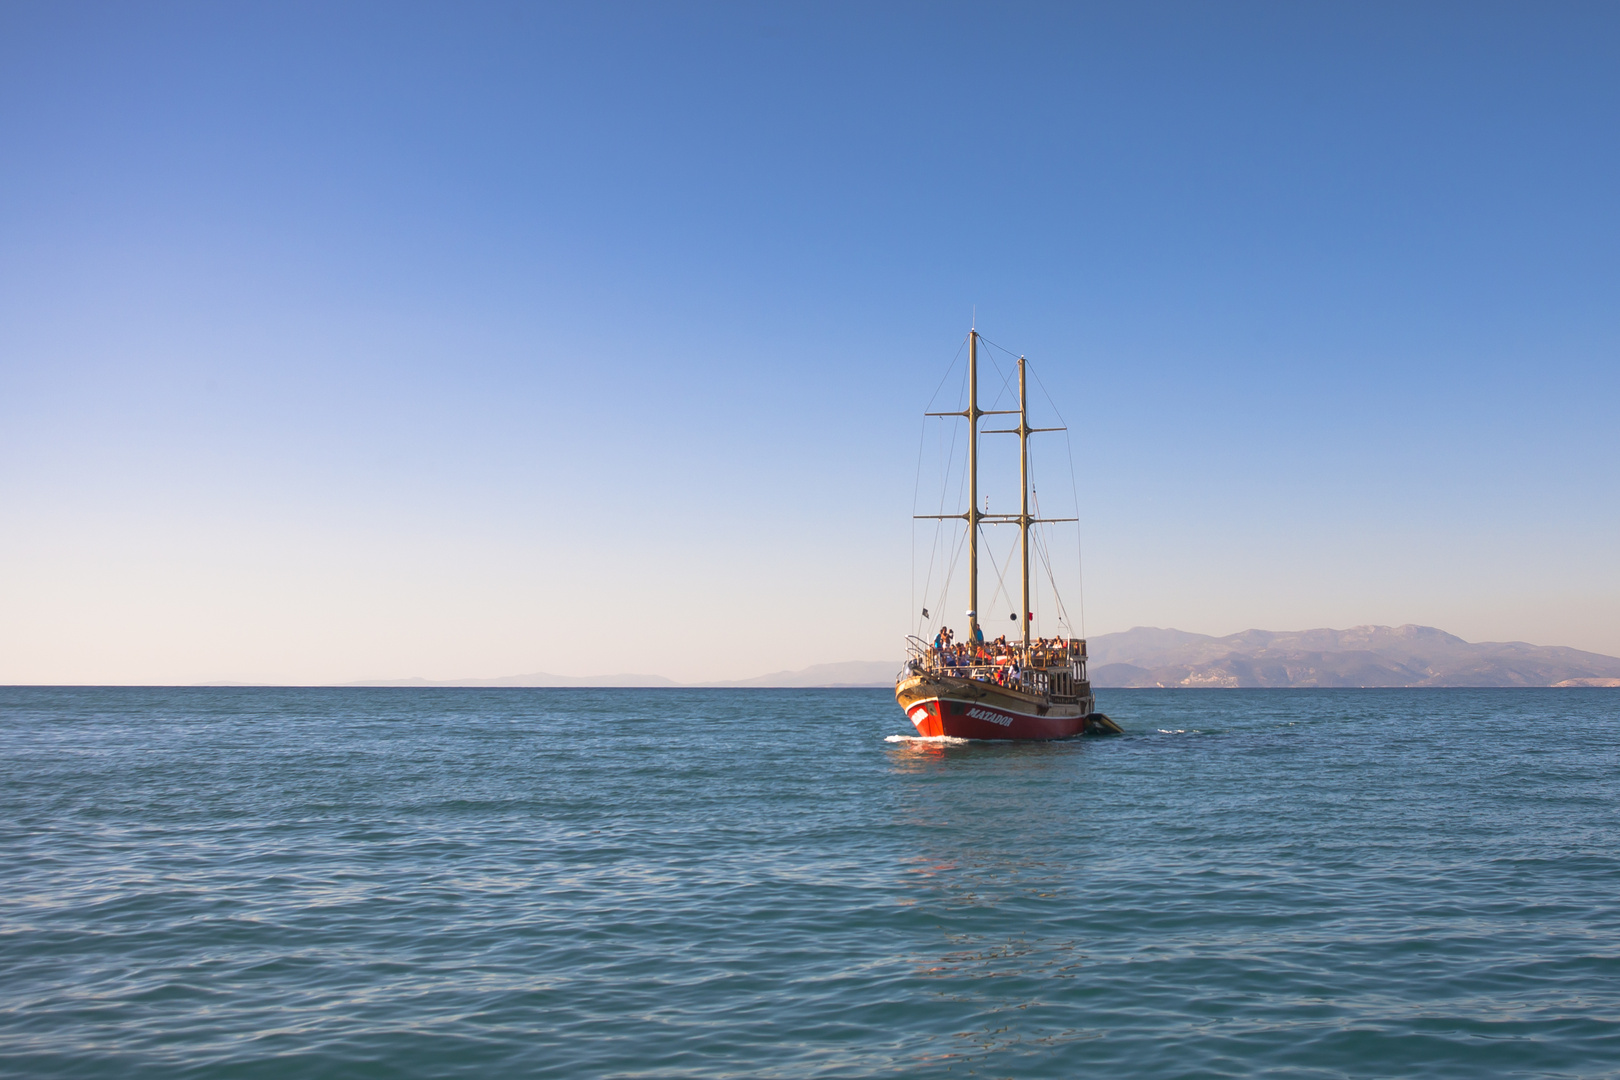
{"x":925,"y":613}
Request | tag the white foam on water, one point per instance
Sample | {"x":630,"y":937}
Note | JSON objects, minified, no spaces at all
{"x":925,"y":738}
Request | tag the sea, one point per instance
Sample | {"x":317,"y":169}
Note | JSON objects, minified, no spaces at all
{"x":224,"y":882}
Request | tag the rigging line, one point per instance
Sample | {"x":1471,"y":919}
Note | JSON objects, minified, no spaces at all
{"x":1048,"y":395}
{"x":950,"y":575}
{"x":1001,"y":577}
{"x":1035,"y":533}
{"x":962,"y":538}
{"x":947,"y":374}
{"x":940,"y":524}
{"x":1042,"y":549}
{"x":1051,"y":576}
{"x":1056,"y":608}
{"x":1063,"y":609}
{"x":1006,"y":567}
{"x":956,"y":431}
{"x":1006,"y":383}
{"x":945,"y":482}
{"x":1043,"y":557}
{"x":916,"y":487}
{"x":993,"y":345}
{"x":991,"y":559}
{"x":933,"y":559}
{"x":1006,"y":388}
{"x":1011,"y":356}
{"x":933,"y":554}
{"x":999,"y":348}
{"x":933,"y":551}
{"x":1043,"y":546}
{"x":1079,"y":552}
{"x":1079,"y":547}
{"x":961,"y":482}
{"x":945,"y":586}
{"x":948,"y":462}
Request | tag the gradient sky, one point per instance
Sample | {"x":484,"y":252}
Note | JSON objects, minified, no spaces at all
{"x":345,"y":341}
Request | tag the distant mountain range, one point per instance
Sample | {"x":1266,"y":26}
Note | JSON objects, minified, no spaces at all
{"x":1360,"y":656}
{"x":1150,"y":657}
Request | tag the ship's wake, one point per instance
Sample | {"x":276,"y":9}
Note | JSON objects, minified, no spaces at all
{"x":950,"y":740}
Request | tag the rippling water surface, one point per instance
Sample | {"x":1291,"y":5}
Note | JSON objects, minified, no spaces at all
{"x":667,"y":883}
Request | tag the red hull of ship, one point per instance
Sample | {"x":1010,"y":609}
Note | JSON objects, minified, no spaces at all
{"x":977,"y":720}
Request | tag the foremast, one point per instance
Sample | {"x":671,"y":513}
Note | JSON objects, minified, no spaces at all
{"x":973,"y":415}
{"x":1025,"y":615}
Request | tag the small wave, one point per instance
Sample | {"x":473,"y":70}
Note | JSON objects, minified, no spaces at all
{"x":1180,"y":731}
{"x":951,"y":739}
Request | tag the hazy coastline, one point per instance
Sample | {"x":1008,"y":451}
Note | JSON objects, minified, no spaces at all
{"x":1147,"y":657}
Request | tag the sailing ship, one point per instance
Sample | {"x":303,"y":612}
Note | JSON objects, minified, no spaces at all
{"x":1032,"y":688}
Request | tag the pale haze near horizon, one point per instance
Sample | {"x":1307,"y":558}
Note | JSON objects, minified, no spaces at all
{"x":352,"y":342}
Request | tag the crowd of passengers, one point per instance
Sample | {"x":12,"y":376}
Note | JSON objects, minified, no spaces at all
{"x":994,"y":661}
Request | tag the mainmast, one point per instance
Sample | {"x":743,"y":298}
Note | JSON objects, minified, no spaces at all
{"x":1023,"y":490}
{"x":973,"y":483}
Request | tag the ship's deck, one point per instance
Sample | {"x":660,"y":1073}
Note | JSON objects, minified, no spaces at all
{"x":1050,"y":667}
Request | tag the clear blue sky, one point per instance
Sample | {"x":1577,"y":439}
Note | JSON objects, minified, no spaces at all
{"x":343,"y":341}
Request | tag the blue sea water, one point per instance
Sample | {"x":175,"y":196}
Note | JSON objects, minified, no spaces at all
{"x":757,"y":883}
